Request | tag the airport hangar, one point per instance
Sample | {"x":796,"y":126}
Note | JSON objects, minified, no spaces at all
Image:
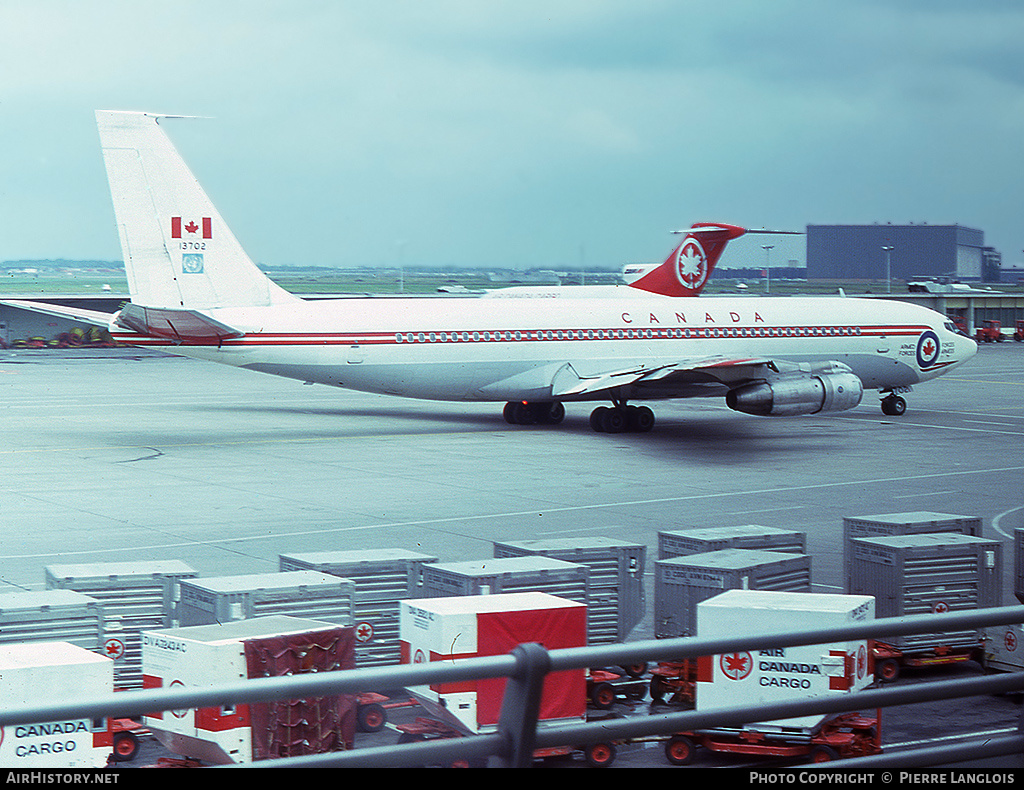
{"x":909,"y":252}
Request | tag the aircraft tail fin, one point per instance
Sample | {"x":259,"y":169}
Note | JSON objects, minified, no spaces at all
{"x":687,"y":269}
{"x":178,"y":252}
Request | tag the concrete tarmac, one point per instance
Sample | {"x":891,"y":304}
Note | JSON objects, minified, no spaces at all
{"x":114,"y":455}
{"x":119,"y":455}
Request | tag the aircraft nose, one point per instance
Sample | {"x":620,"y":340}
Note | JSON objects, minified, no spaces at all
{"x":965,"y":348}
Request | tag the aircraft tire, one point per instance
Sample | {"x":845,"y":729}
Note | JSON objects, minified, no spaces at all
{"x":544,"y":413}
{"x":632,"y":419}
{"x":518,"y":413}
{"x":551,"y":413}
{"x":614,"y":421}
{"x":641,"y":419}
{"x":894,"y":406}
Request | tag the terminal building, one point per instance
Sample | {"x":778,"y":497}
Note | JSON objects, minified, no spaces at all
{"x":900,"y":252}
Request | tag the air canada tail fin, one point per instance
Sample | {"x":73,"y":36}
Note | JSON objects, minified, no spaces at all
{"x":178,"y":252}
{"x":688,"y":267}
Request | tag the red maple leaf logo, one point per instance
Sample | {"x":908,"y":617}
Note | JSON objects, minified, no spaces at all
{"x":691,"y":265}
{"x":192,"y":227}
{"x":929,"y":348}
{"x":736,"y":662}
{"x":737,"y":666}
{"x":364,"y":632}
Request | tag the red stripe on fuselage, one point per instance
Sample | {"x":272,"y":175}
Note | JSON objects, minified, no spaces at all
{"x":535,"y":335}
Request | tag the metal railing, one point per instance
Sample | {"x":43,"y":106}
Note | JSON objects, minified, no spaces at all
{"x":517,"y":736}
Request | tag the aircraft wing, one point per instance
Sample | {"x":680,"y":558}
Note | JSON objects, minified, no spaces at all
{"x":95,"y":317}
{"x":570,"y":381}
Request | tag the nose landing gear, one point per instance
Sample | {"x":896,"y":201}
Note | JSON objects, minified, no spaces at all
{"x":893,"y":405}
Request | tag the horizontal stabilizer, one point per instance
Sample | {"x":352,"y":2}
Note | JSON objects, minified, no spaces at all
{"x":179,"y":326}
{"x":94,"y":317}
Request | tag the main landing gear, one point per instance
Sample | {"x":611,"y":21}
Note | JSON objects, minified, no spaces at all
{"x":893,"y":405}
{"x":618,"y":418}
{"x":520,"y":412}
{"x":621,"y":418}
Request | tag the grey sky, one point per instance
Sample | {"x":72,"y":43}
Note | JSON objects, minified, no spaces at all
{"x":524,"y":133}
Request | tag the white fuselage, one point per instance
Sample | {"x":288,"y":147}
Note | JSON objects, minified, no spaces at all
{"x":485,"y":349}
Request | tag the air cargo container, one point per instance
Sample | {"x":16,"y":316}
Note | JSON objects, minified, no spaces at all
{"x":1004,"y":648}
{"x":508,"y":574}
{"x":41,"y":673}
{"x":208,"y":656}
{"x":450,"y":629}
{"x":701,"y":540}
{"x":52,"y":615}
{"x":781,"y":674}
{"x":135,"y":595}
{"x":681,"y":583}
{"x":1018,"y":564}
{"x":891,"y":524}
{"x":616,"y":602}
{"x":927,"y":573}
{"x":382,"y":578}
{"x":223,"y":599}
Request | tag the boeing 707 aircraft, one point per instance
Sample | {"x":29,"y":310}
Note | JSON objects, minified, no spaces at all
{"x":195,"y":292}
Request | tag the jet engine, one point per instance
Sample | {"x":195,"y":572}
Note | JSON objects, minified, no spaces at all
{"x":835,"y":390}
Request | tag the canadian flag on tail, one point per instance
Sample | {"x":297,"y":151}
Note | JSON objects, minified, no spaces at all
{"x":688,"y":267}
{"x":190,"y":229}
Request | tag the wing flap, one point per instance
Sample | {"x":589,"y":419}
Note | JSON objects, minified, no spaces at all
{"x":569,"y":382}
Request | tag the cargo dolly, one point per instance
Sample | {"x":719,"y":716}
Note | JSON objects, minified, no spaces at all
{"x":847,"y":735}
{"x":606,"y":686}
{"x":674,"y":683}
{"x":889,"y":660}
{"x":597,"y":755}
{"x":372,"y":710}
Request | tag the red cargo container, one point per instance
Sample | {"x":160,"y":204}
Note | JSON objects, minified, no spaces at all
{"x":213,"y":655}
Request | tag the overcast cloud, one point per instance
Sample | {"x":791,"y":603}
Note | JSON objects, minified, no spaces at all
{"x":526,"y":133}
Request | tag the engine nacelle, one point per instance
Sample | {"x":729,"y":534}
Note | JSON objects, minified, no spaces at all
{"x":790,"y":395}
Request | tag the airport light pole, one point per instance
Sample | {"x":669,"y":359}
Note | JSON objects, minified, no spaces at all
{"x":401,"y":264}
{"x":768,"y":266}
{"x":888,"y":267}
